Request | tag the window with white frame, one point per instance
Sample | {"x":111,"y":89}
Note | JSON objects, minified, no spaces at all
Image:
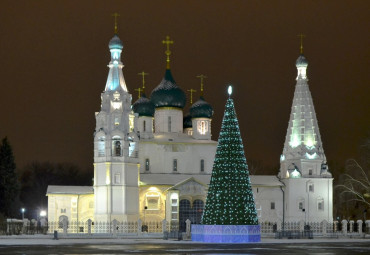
{"x":301,"y":204}
{"x":152,"y":200}
{"x":202,"y":127}
{"x":320,"y":204}
{"x":310,"y":187}
{"x":169,"y":123}
{"x":101,"y":146}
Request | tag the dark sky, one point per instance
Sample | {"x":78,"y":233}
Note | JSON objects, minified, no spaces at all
{"x":54,"y":56}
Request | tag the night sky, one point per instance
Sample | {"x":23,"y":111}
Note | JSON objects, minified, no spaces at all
{"x":54,"y":56}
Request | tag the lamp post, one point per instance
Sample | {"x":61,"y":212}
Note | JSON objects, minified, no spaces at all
{"x":23,"y":210}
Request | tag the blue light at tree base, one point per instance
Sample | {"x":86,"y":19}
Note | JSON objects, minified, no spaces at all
{"x":230,"y":214}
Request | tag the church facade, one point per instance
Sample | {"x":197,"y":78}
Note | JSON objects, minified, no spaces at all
{"x":153,"y":163}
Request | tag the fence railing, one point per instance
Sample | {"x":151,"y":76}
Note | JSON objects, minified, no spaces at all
{"x":324,"y":228}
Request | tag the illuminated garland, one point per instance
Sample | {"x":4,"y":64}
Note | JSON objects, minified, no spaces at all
{"x":230,"y":199}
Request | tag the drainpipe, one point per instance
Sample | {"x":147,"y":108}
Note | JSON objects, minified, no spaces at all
{"x":282,"y":190}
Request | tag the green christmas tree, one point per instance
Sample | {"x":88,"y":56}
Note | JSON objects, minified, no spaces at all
{"x":9,"y":186}
{"x":230,"y":199}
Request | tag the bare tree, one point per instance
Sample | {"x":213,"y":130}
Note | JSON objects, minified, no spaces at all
{"x":356,"y":184}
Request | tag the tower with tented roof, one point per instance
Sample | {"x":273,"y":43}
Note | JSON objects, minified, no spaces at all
{"x":303,"y":165}
{"x":115,"y":151}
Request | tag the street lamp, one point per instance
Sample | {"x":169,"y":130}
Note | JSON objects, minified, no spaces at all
{"x":23,"y":210}
{"x":42,"y":213}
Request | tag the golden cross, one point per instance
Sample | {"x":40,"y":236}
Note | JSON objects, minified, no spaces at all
{"x":202,"y":77}
{"x":301,"y":36}
{"x":115,"y":15}
{"x":139,"y":90}
{"x":143,"y":74}
{"x":168,"y":52}
{"x":191,"y":95}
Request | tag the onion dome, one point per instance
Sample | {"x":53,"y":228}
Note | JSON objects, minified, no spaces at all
{"x":115,"y":43}
{"x":301,"y":61}
{"x":144,"y":107}
{"x":167,"y":93}
{"x":187,"y":121}
{"x":201,"y":109}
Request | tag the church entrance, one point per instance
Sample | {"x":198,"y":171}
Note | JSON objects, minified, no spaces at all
{"x":192,"y":212}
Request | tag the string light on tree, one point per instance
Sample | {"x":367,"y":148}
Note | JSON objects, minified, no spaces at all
{"x":230,"y":198}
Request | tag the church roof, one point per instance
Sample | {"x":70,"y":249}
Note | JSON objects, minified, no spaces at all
{"x":176,"y":179}
{"x":167,"y":93}
{"x":303,"y":139}
{"x":165,"y":138}
{"x":115,"y":43}
{"x":144,"y":107}
{"x":115,"y":80}
{"x":201,"y":109}
{"x":79,"y":190}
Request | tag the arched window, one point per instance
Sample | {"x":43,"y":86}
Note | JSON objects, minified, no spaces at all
{"x":147,"y":164}
{"x":184,"y":214}
{"x":169,"y":123}
{"x":174,"y":165}
{"x":202,"y":165}
{"x":144,"y":126}
{"x":198,"y":206}
{"x":101,"y":146}
{"x":117,"y":148}
{"x":62,"y":219}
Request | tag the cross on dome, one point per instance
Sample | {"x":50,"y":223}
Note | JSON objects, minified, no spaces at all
{"x":201,"y":77}
{"x":143,"y":75}
{"x":301,"y":36}
{"x":191,"y":95}
{"x":168,"y":52}
{"x":115,"y":15}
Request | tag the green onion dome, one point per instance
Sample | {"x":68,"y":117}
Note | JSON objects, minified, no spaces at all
{"x":167,"y":93}
{"x":187,"y":123}
{"x":201,"y":109}
{"x":115,"y":43}
{"x":301,"y":61}
{"x":144,"y":107}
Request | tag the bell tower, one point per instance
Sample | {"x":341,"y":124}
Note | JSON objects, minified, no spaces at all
{"x":116,"y":164}
{"x":303,"y":166}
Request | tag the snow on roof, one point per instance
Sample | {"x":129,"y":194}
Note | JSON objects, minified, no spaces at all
{"x":176,"y":138}
{"x":54,"y":189}
{"x":173,"y":179}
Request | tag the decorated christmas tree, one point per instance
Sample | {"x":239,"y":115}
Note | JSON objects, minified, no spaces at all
{"x":230,"y":199}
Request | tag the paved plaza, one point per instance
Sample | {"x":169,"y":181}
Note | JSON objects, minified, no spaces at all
{"x":44,"y":244}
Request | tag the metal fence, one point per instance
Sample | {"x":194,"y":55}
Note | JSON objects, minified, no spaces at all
{"x":171,"y":229}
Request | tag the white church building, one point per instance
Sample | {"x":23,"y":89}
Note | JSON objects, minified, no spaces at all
{"x":152,"y":163}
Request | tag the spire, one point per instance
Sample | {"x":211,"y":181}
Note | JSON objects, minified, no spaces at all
{"x":115,"y":15}
{"x":303,"y":137}
{"x":201,"y":77}
{"x":167,"y":52}
{"x":115,"y":80}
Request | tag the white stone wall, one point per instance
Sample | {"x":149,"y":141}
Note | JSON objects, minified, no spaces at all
{"x":188,"y":155}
